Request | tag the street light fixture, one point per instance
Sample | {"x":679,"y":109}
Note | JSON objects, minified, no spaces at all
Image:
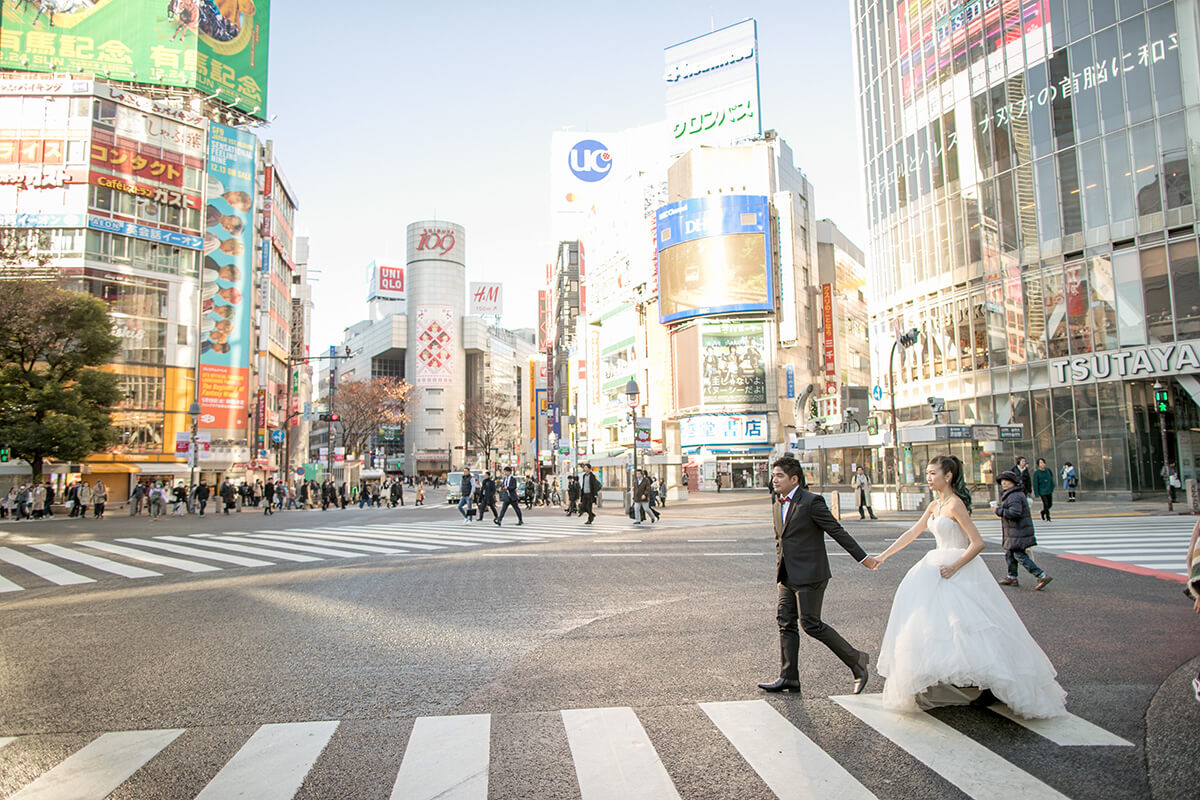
{"x":905,"y":340}
{"x":631,"y":392}
{"x":193,"y":456}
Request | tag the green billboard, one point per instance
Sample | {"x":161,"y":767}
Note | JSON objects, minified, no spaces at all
{"x":216,"y":46}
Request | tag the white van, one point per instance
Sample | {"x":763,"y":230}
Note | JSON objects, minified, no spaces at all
{"x":453,"y":484}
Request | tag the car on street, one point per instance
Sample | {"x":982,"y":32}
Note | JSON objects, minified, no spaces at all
{"x":453,"y":483}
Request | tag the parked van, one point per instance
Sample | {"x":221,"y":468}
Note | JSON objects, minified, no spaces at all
{"x":453,"y":484}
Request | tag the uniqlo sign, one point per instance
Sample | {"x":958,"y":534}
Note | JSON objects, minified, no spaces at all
{"x":387,"y":282}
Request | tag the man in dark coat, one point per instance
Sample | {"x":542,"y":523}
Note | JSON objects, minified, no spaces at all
{"x":228,"y":494}
{"x":1025,"y":479}
{"x":572,"y":496}
{"x":589,"y":490}
{"x":508,"y":497}
{"x":1016,"y":524}
{"x":802,"y":572}
{"x":269,"y":496}
{"x":487,"y":496}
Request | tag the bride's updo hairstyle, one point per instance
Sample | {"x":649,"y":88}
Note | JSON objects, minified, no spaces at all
{"x":952,"y":468}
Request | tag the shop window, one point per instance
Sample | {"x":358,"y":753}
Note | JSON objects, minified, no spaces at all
{"x":1102,"y":303}
{"x":1078,"y":318}
{"x":1131,"y":318}
{"x":1056,"y":313}
{"x":1185,"y":288}
{"x":1120,"y":177}
{"x":102,"y":198}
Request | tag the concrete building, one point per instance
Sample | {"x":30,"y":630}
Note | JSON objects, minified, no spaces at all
{"x":1031,"y":172}
{"x":842,"y":325}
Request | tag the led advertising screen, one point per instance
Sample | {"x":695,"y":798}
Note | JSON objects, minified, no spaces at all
{"x":213,"y":45}
{"x":714,"y":256}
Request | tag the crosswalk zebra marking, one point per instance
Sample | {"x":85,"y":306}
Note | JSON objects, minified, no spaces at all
{"x":791,"y":764}
{"x":153,"y":558}
{"x":407,"y":537}
{"x":43,"y":569}
{"x":241,"y":548}
{"x":289,"y":544}
{"x":184,"y":550}
{"x":97,"y":562}
{"x":8,"y":586}
{"x":99,"y":768}
{"x":272,"y":764}
{"x":974,"y":769}
{"x":355,"y":542}
{"x":5,"y":741}
{"x":1066,"y":731}
{"x":446,"y":757}
{"x":614,"y":759}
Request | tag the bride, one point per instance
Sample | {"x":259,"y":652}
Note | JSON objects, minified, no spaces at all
{"x":951,"y":624}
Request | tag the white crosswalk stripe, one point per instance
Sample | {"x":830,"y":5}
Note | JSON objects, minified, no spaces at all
{"x":1158,"y":543}
{"x":212,"y":552}
{"x":612,"y":755}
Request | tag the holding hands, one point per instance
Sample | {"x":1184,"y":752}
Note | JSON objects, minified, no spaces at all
{"x":871,"y":563}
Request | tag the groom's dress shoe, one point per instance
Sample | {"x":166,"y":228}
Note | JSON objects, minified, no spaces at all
{"x":861,"y":674}
{"x":781,"y":685}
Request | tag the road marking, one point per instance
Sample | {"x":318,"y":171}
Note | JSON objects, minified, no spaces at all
{"x":342,"y":541}
{"x":618,"y":541}
{"x":446,"y":757}
{"x":614,"y":759}
{"x":511,"y":555}
{"x":184,"y":550}
{"x":98,"y":769}
{"x":792,"y":765}
{"x":8,"y":586}
{"x":43,"y":569}
{"x":96,"y":562}
{"x":272,"y":764}
{"x":241,"y":548}
{"x":153,"y":558}
{"x":735,"y":554}
{"x":5,"y":741}
{"x":290,"y":544}
{"x":621,"y":555}
{"x":1066,"y":731}
{"x":696,"y":541}
{"x":974,"y":769}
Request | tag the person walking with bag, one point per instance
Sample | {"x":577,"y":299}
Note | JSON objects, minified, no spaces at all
{"x":1070,"y":480}
{"x":1043,"y":487}
{"x":641,"y":497}
{"x":99,"y":498}
{"x":862,"y":490}
{"x":589,"y":490}
{"x":509,"y":497}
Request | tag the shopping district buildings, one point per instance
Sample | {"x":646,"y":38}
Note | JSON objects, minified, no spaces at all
{"x":1029,"y":285}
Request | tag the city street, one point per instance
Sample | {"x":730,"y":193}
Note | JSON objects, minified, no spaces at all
{"x":405,"y":653}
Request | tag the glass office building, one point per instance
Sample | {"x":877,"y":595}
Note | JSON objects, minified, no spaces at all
{"x":1032,"y":170}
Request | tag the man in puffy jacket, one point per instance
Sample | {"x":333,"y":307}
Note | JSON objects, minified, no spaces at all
{"x":1017,"y":526}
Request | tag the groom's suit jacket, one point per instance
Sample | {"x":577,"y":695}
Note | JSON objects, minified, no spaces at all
{"x":800,"y":556}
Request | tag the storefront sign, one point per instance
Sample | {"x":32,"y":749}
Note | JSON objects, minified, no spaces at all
{"x":724,"y":429}
{"x":827,"y":324}
{"x":712,"y":88}
{"x":155,"y":194}
{"x":1129,"y":364}
{"x":485,"y":298}
{"x":144,"y":232}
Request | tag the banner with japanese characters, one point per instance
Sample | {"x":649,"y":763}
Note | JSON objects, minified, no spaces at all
{"x":435,"y":346}
{"x":213,"y":45}
{"x":225,"y":298}
{"x":734,"y":370}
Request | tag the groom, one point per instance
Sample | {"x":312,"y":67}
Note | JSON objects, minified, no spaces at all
{"x":802,"y":572}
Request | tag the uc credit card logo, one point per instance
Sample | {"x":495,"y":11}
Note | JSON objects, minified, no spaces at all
{"x":589,"y":160}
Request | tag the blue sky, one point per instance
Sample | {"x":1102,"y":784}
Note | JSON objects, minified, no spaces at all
{"x":390,"y":113}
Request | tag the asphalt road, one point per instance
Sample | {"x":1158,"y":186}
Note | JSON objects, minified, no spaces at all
{"x":616,"y":661}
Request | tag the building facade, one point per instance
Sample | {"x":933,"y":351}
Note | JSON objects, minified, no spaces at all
{"x":1031,"y":172}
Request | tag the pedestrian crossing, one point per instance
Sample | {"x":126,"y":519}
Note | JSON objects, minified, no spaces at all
{"x":612,"y":755}
{"x":1154,"y":543}
{"x":87,"y":561}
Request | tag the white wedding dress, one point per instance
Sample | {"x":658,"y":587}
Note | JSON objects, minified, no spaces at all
{"x":961,"y":631}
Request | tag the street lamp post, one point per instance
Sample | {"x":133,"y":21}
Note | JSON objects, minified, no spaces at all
{"x":1161,"y":404}
{"x":193,"y":453}
{"x":905,"y":340}
{"x":631,"y":392}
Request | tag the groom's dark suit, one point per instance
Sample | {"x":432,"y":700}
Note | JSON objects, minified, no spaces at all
{"x":802,"y":572}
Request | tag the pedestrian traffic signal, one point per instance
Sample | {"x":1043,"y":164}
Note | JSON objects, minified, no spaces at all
{"x":4,"y":453}
{"x":1162,"y":402}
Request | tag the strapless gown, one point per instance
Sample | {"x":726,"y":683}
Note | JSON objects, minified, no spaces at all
{"x":961,"y":632}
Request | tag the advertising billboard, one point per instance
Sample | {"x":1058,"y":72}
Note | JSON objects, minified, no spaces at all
{"x":225,"y":281}
{"x":712,"y":87}
{"x":584,"y":167}
{"x":387,"y":282}
{"x":724,"y":429}
{"x":437,"y":240}
{"x":212,"y":46}
{"x":714,"y":256}
{"x":435,"y":346}
{"x":827,"y":328}
{"x":735,"y":370}
{"x":485,"y":298}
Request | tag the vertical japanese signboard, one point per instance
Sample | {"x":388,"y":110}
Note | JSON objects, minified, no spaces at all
{"x":827,"y":326}
{"x":435,"y":346}
{"x":225,"y":345}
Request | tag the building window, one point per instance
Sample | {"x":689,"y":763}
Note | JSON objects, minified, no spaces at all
{"x":181,"y":334}
{"x":1131,"y":318}
{"x":1185,"y":287}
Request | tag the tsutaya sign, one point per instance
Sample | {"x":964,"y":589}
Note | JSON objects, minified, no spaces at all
{"x":1128,"y":364}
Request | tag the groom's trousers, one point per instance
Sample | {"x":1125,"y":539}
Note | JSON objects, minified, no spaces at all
{"x":804,"y":603}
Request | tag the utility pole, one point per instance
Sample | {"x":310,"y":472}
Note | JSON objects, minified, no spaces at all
{"x":905,"y":340}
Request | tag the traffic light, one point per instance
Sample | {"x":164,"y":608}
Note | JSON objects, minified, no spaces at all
{"x":333,"y":418}
{"x":5,"y":453}
{"x":1162,"y":401}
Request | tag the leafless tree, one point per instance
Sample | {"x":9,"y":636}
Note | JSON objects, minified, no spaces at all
{"x":365,"y":406}
{"x":489,"y":419}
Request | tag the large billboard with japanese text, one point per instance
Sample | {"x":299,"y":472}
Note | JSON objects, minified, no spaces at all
{"x":225,"y":293}
{"x":218,"y":46}
{"x":712,"y":87}
{"x":734,"y":363}
{"x":714,"y":256}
